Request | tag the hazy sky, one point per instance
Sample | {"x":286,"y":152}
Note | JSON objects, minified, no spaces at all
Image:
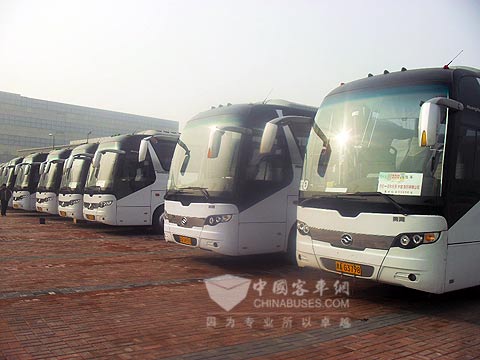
{"x":173,"y":59}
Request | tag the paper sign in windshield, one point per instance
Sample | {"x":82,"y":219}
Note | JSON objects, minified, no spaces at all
{"x":397,"y":183}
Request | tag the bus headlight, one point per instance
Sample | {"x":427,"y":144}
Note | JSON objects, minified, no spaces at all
{"x":412,"y":240}
{"x":103,"y":204}
{"x":303,"y":228}
{"x":404,"y":240}
{"x":213,"y":220}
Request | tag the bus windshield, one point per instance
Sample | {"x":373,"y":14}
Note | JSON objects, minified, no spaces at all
{"x":367,"y":142}
{"x":192,"y":169}
{"x":239,"y":174}
{"x":73,"y":179}
{"x":102,"y":177}
{"x":10,"y":176}
{"x":49,"y":180}
{"x":23,"y":177}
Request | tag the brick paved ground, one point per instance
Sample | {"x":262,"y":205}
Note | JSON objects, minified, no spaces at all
{"x":88,"y":291}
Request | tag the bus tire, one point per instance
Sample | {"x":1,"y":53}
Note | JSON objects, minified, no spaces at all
{"x":291,"y":255}
{"x":158,"y":220}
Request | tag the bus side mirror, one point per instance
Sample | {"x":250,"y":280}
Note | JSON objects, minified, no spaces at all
{"x":268,"y":138}
{"x":42,"y":168}
{"x":431,"y":113}
{"x":47,"y":167}
{"x":69,"y":163}
{"x":27,"y":170}
{"x":142,"y":151}
{"x":214,"y":142}
{"x":96,"y":159}
{"x":323,"y":160}
{"x":430,"y":116}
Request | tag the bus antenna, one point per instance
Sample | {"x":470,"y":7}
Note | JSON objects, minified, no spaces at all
{"x":446,"y":66}
{"x":266,"y":98}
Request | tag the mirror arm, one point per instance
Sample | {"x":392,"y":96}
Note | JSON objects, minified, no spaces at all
{"x":285,"y":120}
{"x":449,"y":103}
{"x":77,"y":156}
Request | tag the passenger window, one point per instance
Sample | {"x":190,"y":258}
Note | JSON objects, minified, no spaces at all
{"x":467,"y":166}
{"x":468,"y":155}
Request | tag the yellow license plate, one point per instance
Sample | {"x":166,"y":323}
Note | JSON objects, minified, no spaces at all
{"x":16,"y":206}
{"x":62,"y":213}
{"x":39,"y":208}
{"x":348,"y":268}
{"x":90,"y":217}
{"x":185,"y":240}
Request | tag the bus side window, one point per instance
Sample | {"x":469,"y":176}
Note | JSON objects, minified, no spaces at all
{"x":468,"y":139}
{"x":468,"y":155}
{"x":464,"y":191}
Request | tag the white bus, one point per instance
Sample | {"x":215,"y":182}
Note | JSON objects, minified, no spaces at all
{"x":127,"y":179}
{"x":223,"y":194}
{"x":391,"y":183}
{"x":25,"y":187}
{"x":50,"y":177}
{"x":8,"y":175}
{"x":75,"y":170}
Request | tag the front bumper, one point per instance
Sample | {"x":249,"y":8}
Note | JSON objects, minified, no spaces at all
{"x":93,"y":211}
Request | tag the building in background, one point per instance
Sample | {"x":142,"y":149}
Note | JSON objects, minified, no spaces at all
{"x":33,"y":123}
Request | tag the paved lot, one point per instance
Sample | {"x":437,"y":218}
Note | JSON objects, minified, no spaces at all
{"x":88,"y":291}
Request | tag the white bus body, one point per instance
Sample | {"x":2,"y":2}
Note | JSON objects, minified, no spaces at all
{"x":223,"y":195}
{"x":127,"y":180}
{"x":26,"y":182}
{"x":390,"y":190}
{"x":50,"y":177}
{"x":70,"y":196}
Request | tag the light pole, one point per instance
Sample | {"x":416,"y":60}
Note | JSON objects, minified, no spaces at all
{"x":88,"y":135}
{"x":53,"y":140}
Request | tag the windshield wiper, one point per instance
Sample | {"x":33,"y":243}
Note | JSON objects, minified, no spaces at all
{"x":90,"y":189}
{"x":314,"y":197}
{"x":202,"y":189}
{"x":385,"y":196}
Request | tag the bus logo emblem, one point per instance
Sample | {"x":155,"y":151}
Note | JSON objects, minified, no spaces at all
{"x":347,"y":239}
{"x":184,"y":221}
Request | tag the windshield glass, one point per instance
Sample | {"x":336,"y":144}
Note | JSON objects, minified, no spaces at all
{"x":73,"y":179}
{"x":10,"y":176}
{"x":50,"y":179}
{"x":191,"y":166}
{"x":102,"y":177}
{"x":22,"y":177}
{"x":367,"y":141}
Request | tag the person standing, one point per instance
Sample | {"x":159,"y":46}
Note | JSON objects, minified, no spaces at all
{"x":5,"y":195}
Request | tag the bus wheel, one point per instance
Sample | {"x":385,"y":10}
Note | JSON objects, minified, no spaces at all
{"x":158,"y":220}
{"x":291,"y":255}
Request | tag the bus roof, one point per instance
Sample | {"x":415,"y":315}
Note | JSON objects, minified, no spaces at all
{"x":58,"y":154}
{"x":243,"y":110}
{"x":420,"y":76}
